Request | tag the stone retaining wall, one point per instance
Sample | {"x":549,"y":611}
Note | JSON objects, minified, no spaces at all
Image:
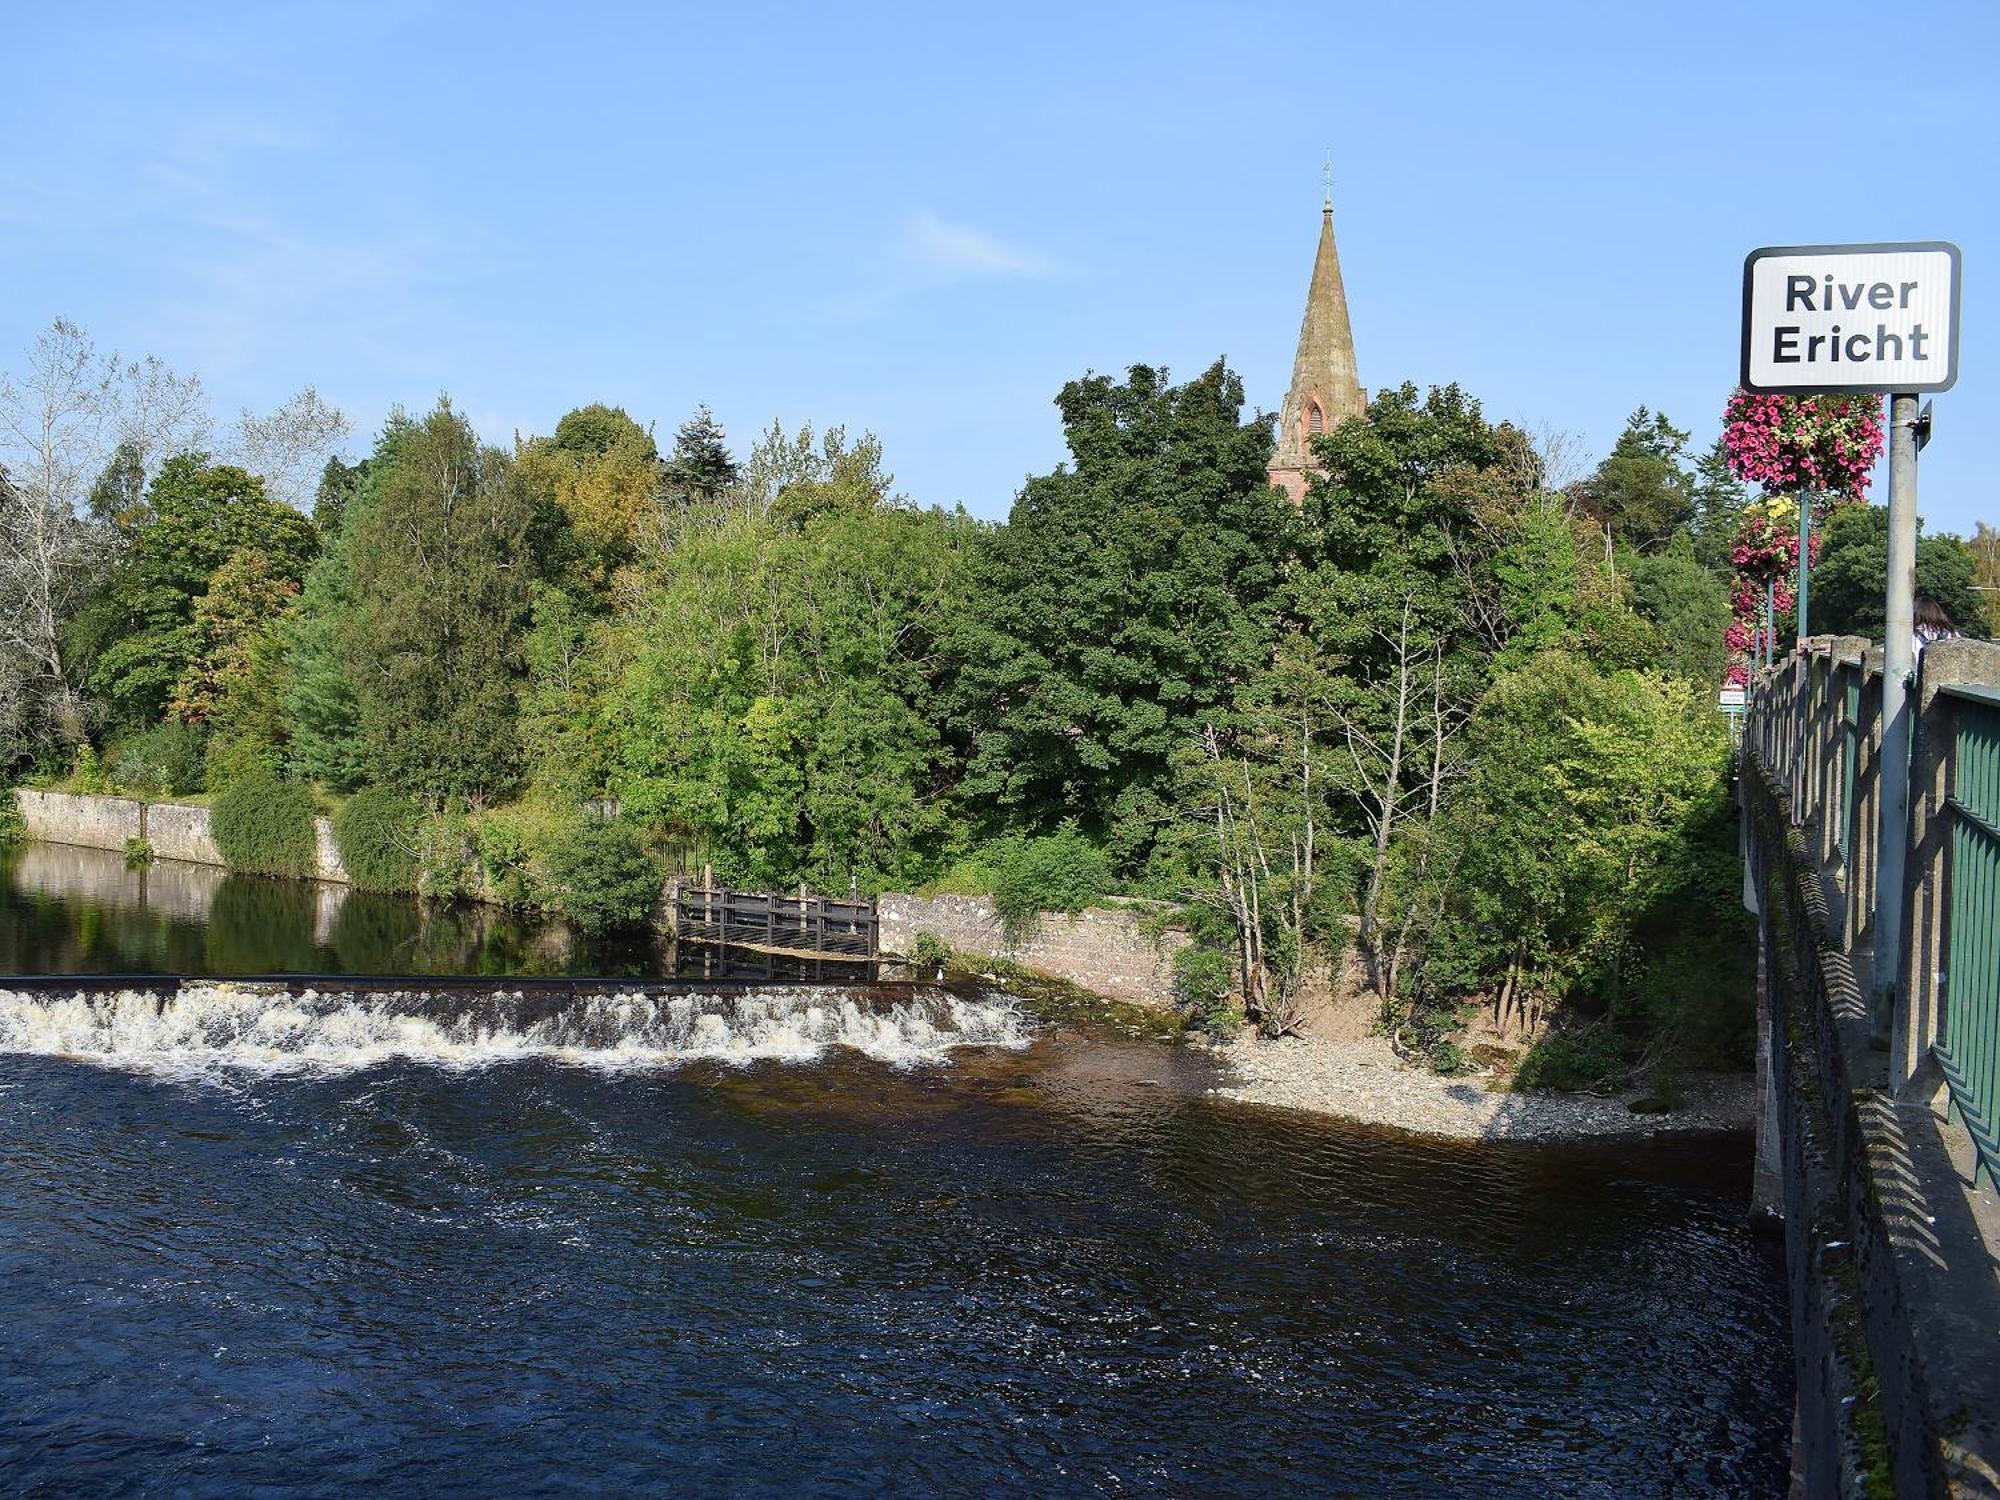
{"x":88,"y":822}
{"x":1101,"y":948}
{"x":176,"y":830}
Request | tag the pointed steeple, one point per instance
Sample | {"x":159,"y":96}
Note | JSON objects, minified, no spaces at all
{"x":1325,"y":387}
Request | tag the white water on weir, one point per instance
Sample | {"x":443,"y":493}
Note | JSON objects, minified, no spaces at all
{"x":206,"y":1026}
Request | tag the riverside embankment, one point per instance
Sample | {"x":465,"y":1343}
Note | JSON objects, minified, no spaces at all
{"x":1117,"y":950}
{"x":1361,"y":1079}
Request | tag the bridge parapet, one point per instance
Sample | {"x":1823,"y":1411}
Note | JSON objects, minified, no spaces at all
{"x":1891,"y":1220}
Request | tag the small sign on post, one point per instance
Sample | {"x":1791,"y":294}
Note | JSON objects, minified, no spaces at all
{"x":1851,"y":318}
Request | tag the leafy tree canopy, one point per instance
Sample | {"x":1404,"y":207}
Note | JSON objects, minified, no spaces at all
{"x":1642,"y":491}
{"x":593,"y":431}
{"x":1851,"y":579}
{"x":1129,"y":590}
{"x":779,"y":698}
{"x":601,"y":478}
{"x":1688,"y":605}
{"x":1719,"y":499}
{"x":439,"y":581}
{"x":198,"y":515}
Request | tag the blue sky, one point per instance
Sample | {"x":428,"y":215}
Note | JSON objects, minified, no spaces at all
{"x":924,"y":219}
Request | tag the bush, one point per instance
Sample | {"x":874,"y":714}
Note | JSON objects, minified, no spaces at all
{"x":930,"y":952}
{"x":376,"y":831}
{"x":13,"y":828}
{"x":264,"y":824}
{"x":138,"y":853}
{"x":168,"y":760}
{"x":446,"y":870}
{"x":1203,"y":976}
{"x":512,"y":843}
{"x":1574,"y":1057}
{"x":1060,"y":871}
{"x":601,"y":877}
{"x":232,"y":758}
{"x":86,"y":773}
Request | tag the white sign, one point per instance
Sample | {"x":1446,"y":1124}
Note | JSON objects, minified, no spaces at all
{"x":1851,"y":318}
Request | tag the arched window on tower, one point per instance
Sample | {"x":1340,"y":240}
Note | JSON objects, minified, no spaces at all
{"x":1315,"y":419}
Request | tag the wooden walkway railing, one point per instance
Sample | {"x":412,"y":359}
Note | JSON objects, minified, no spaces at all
{"x":795,"y":926}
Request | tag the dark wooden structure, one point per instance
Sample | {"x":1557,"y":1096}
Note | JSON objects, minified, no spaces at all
{"x":792,"y":926}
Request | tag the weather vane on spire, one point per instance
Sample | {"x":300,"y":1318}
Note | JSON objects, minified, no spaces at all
{"x":1326,"y":180}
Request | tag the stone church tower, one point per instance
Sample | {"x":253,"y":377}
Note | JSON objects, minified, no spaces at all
{"x":1325,"y":389}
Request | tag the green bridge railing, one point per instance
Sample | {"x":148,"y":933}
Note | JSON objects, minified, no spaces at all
{"x":1813,"y":721}
{"x":1969,"y":1049}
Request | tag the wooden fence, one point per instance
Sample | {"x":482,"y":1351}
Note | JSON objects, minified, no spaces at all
{"x":793,"y":926}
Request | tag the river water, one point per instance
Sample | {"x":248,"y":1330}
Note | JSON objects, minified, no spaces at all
{"x":796,"y":1240}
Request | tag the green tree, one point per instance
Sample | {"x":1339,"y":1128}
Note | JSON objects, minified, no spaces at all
{"x":1688,"y":605}
{"x":118,"y":498}
{"x":1128,"y":593}
{"x":702,"y":469}
{"x":1719,"y":499}
{"x":1985,"y":545}
{"x":141,"y":629}
{"x":1586,"y":787}
{"x":438,"y":578}
{"x":779,"y":702}
{"x":1851,"y":579}
{"x":595,"y":430}
{"x":601,"y":877}
{"x":339,"y":483}
{"x":322,"y":719}
{"x":568,"y":653}
{"x":803,"y":473}
{"x":1426,"y":559}
{"x":601,"y":479}
{"x":244,"y":598}
{"x":1642,"y":492}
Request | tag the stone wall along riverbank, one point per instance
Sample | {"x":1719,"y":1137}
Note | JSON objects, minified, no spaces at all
{"x":176,"y":830}
{"x":1104,"y":949}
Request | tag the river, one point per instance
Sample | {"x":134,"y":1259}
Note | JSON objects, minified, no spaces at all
{"x":801,"y":1240}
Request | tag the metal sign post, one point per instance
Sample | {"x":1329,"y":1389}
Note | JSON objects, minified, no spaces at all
{"x":1898,"y":662}
{"x":1880,"y":319}
{"x":1805,"y":560}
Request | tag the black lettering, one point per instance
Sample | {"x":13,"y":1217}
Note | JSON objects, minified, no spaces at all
{"x":1833,"y":344}
{"x":1799,"y":289}
{"x":1908,"y":287}
{"x":1784,"y":339}
{"x":1883,"y":339}
{"x":1850,"y":296}
{"x":1862,"y":340}
{"x":1812,"y":347}
{"x":1917,"y":337}
{"x":1881,"y":297}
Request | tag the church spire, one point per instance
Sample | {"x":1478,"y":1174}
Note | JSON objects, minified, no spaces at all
{"x":1325,"y":387}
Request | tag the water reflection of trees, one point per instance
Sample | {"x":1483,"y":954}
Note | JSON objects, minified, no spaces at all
{"x":72,"y":910}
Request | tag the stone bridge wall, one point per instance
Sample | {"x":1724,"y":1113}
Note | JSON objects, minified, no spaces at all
{"x":1104,"y":949}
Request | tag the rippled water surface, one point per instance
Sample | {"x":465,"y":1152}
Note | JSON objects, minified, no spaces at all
{"x":235,"y":1257}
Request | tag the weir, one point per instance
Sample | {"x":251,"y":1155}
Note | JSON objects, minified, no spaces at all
{"x":1875,"y":1144}
{"x":182,"y":1025}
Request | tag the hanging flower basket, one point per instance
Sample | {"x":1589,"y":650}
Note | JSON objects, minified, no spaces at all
{"x":1790,"y":443}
